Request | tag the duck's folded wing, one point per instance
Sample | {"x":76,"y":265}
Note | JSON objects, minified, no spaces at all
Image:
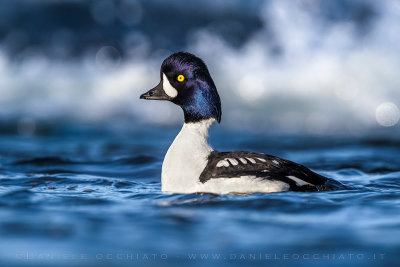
{"x":238,"y":164}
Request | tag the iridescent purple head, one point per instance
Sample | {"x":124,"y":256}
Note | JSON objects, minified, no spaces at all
{"x":185,"y":81}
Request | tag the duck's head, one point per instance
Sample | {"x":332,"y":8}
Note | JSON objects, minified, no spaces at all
{"x":186,"y":82}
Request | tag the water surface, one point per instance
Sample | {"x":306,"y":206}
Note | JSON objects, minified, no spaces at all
{"x":90,"y":194}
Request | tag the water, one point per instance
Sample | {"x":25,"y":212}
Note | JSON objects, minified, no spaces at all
{"x":306,"y":64}
{"x":74,"y":194}
{"x":79,"y":194}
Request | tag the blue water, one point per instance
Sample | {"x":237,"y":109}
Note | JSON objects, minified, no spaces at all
{"x":75,"y":195}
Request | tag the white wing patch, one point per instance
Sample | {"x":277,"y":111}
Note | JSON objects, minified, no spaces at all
{"x":298,"y":181}
{"x":251,"y":160}
{"x":233,"y":161}
{"x":243,"y":160}
{"x":222,"y":163}
{"x":236,"y":161}
{"x":168,"y":88}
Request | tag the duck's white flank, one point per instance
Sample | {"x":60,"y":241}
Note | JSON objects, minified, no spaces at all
{"x":187,"y":157}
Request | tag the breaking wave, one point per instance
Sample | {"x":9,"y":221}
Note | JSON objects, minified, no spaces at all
{"x":302,"y":71}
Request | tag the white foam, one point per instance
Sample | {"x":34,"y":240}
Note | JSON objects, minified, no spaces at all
{"x":323,"y":76}
{"x":327,"y":76}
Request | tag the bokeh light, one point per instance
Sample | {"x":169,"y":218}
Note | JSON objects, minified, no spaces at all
{"x":387,"y":114}
{"x":108,"y":58}
{"x":130,"y":12}
{"x":103,"y":11}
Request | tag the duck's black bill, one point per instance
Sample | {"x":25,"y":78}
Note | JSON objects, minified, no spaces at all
{"x":157,"y":93}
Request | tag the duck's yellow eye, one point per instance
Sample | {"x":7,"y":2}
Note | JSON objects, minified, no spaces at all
{"x":180,"y":78}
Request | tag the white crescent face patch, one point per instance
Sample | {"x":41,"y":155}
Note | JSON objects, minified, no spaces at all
{"x":168,"y":88}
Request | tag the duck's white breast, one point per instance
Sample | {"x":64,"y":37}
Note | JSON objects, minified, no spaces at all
{"x":186,"y":158}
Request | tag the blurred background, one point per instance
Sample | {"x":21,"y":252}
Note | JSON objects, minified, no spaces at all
{"x":301,"y":66}
{"x":313,"y":81}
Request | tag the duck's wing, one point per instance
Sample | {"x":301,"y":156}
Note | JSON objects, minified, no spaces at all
{"x":238,"y":164}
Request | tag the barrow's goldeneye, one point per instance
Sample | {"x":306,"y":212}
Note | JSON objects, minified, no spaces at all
{"x":192,"y":166}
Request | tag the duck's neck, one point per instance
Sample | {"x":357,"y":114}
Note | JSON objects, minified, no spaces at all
{"x":186,"y":158}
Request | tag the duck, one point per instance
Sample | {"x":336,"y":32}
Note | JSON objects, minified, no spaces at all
{"x":191,"y":165}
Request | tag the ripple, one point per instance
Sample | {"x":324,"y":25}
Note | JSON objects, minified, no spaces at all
{"x":18,"y":194}
{"x":45,"y":161}
{"x":83,"y":200}
{"x":55,"y":230}
{"x":108,"y":194}
{"x":124,"y":184}
{"x":138,"y":160}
